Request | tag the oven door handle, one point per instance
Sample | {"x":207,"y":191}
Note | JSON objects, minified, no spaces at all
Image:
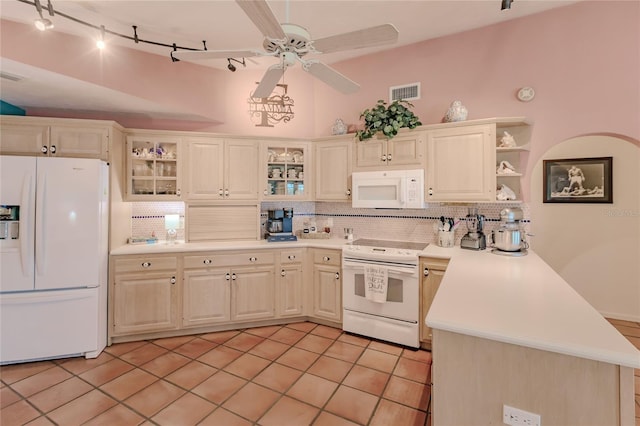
{"x":360,"y":266}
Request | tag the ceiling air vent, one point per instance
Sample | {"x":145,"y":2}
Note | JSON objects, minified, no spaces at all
{"x":407,"y":92}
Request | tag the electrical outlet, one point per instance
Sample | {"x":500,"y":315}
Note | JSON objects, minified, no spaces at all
{"x":516,"y":417}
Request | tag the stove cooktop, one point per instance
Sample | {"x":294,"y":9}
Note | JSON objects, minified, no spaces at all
{"x":403,"y":245}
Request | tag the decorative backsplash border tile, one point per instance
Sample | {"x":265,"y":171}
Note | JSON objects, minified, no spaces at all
{"x":416,"y":225}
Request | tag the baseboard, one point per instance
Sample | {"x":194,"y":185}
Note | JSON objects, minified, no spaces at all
{"x":618,"y":316}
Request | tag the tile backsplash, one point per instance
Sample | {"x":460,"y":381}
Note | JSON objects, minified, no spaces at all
{"x":406,"y":225}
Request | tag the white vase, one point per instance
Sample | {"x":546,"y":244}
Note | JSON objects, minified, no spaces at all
{"x":339,"y":128}
{"x":456,"y":112}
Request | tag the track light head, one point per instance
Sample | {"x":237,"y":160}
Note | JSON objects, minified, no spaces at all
{"x":43,"y":24}
{"x":230,"y":66}
{"x":506,"y":4}
{"x":100,"y":42}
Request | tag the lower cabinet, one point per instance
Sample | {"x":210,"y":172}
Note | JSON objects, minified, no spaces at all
{"x":290,"y":291}
{"x":206,"y":297}
{"x":252,"y":293}
{"x":327,"y":284}
{"x":433,"y":270}
{"x":144,"y":295}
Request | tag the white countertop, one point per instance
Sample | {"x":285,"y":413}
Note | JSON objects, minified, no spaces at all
{"x":182,"y":247}
{"x":522,"y":301}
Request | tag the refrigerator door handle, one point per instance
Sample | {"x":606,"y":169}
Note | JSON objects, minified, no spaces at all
{"x":40,"y":225}
{"x":25,"y":238}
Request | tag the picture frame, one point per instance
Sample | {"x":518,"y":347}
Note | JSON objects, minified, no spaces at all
{"x":578,"y":180}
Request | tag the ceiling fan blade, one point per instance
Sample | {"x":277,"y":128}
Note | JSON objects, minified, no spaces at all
{"x":372,"y":36}
{"x":269,"y":81}
{"x":263,"y":18}
{"x":330,"y":76}
{"x":189,"y":55}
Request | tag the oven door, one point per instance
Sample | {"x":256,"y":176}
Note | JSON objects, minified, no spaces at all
{"x":402,"y":291}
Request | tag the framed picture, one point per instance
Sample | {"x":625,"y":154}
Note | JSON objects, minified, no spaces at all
{"x":578,"y":180}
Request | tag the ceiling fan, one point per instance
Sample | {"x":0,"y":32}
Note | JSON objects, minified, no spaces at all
{"x":290,"y":42}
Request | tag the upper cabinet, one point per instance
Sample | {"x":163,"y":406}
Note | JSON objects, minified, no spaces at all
{"x":55,"y":137}
{"x":153,"y":167}
{"x":221,"y":169}
{"x":460,"y":163}
{"x":285,"y":174}
{"x":405,"y":151}
{"x":333,"y":159}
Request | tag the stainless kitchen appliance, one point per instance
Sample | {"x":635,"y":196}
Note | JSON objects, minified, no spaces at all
{"x":280,"y":225}
{"x":396,"y":319}
{"x":509,"y":239}
{"x":475,"y":238}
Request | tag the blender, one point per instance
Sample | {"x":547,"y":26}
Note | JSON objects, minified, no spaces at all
{"x":475,"y":238}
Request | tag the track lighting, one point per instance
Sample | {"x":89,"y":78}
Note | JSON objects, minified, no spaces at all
{"x":100,"y":42}
{"x":232,"y":67}
{"x":506,"y":4}
{"x":43,"y":23}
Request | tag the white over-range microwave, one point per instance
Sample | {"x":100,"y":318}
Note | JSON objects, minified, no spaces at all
{"x":392,"y":189}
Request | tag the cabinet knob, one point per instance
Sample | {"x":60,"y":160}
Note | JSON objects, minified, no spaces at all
{"x":265,"y":192}
{"x":207,"y":262}
{"x":348,"y":193}
{"x":337,"y":275}
{"x":44,"y":149}
{"x":233,"y":277}
{"x":283,"y":273}
{"x":172,"y":280}
{"x":253,"y":259}
{"x":430,"y":191}
{"x":227,"y":276}
{"x":425,"y":272}
{"x":146,"y":264}
{"x":388,"y":157}
{"x":291,"y":257}
{"x":53,"y":149}
{"x":221,"y":192}
{"x":178,"y":192}
{"x":226,"y":192}
{"x":326,"y":258}
{"x":383,"y":158}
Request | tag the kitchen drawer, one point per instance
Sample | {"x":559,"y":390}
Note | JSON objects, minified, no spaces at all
{"x":145,"y":264}
{"x":236,"y":259}
{"x":291,"y":256}
{"x":327,"y":257}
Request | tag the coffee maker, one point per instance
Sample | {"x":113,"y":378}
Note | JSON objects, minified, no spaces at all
{"x":475,"y":238}
{"x":280,"y":225}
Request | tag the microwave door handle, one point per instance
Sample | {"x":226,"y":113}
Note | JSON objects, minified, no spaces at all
{"x":401,"y":198}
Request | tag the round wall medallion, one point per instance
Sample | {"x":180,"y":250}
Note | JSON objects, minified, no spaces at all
{"x":526,"y":94}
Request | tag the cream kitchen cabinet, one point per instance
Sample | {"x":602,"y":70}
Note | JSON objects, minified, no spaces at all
{"x":405,"y":151}
{"x":54,"y":137}
{"x":221,"y":169}
{"x":290,"y":291}
{"x":153,"y":167}
{"x":286,"y":171}
{"x":206,"y":296}
{"x":144,"y":295}
{"x":460,"y":163}
{"x":333,"y":159}
{"x":433,"y":270}
{"x":327,"y":284}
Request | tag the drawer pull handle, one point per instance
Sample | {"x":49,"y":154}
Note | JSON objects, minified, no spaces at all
{"x":146,"y":264}
{"x":326,"y":258}
{"x":207,"y":261}
{"x":426,"y":272}
{"x":337,"y":275}
{"x":291,"y":257}
{"x":283,"y":273}
{"x":253,"y":259}
{"x":173,"y":280}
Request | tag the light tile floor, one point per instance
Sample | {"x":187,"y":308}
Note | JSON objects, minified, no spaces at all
{"x":298,"y":374}
{"x":631,"y":330}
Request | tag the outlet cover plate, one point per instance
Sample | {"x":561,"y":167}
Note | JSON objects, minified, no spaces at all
{"x":517,"y":417}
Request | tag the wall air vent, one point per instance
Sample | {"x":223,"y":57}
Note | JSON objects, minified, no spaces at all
{"x":407,"y":92}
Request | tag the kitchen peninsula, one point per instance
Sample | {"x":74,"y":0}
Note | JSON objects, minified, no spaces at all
{"x":510,"y":331}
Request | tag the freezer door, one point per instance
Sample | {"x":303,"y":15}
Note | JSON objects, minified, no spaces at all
{"x":17,"y":188}
{"x":71,"y":203}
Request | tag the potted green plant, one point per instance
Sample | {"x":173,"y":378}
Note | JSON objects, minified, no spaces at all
{"x":387,"y":119}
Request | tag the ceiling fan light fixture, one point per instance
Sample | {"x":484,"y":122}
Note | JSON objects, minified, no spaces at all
{"x":43,"y":23}
{"x":230,"y":66}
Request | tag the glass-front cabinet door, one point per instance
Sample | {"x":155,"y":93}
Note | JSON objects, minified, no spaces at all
{"x":153,"y":168}
{"x":286,"y":174}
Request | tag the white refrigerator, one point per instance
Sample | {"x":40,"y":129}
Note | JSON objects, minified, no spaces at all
{"x":53,"y":257}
